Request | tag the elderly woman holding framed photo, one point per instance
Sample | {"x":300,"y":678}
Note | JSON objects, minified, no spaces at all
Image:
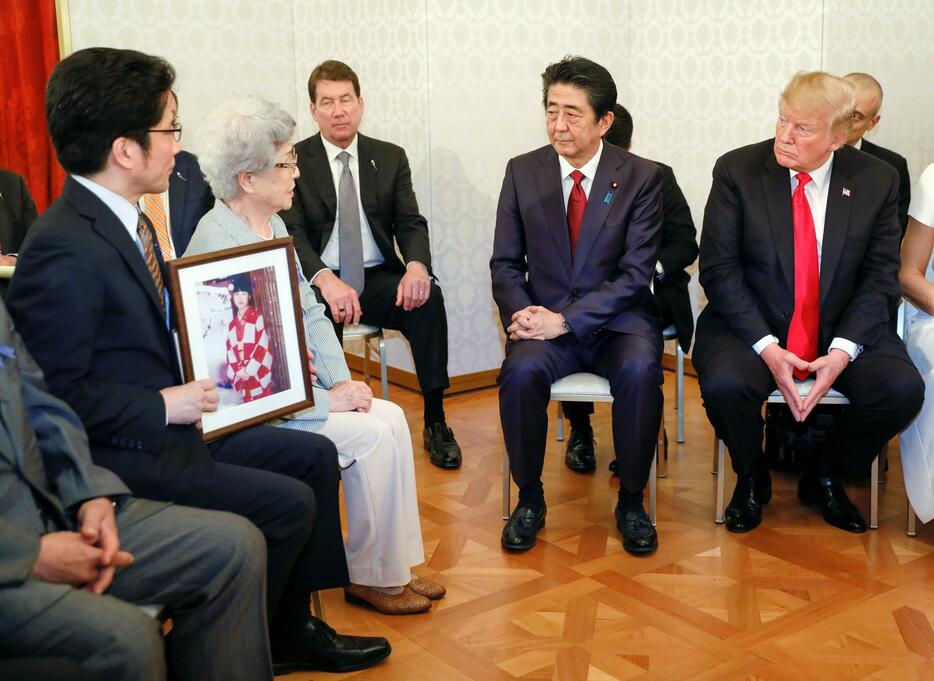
{"x":248,"y":159}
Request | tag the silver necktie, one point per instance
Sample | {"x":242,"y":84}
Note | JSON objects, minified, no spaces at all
{"x":351,"y":240}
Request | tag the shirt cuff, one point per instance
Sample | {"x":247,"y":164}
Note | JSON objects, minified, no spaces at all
{"x":849,"y":347}
{"x":763,"y":343}
{"x":311,"y":279}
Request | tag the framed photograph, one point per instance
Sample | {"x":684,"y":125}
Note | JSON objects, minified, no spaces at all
{"x":240,"y":325}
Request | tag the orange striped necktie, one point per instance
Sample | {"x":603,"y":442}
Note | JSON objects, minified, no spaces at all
{"x":155,"y":211}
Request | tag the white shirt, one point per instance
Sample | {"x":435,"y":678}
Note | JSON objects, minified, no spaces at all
{"x":859,"y":144}
{"x":331,"y":254}
{"x":589,"y":170}
{"x":816,"y":191}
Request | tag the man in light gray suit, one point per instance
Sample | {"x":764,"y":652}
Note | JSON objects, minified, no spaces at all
{"x":76,"y":552}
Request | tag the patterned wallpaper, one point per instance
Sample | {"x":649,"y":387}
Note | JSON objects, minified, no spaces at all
{"x":457,"y":85}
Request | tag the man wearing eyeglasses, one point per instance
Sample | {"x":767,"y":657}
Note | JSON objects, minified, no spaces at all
{"x":90,"y":302}
{"x":353,"y":206}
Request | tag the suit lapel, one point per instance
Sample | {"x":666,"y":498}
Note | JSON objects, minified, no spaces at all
{"x":548,"y":180}
{"x":598,"y":208}
{"x":178,"y":189}
{"x":776,"y":183}
{"x":109,"y":227}
{"x":323,"y":182}
{"x":368,"y":168}
{"x":836,"y":221}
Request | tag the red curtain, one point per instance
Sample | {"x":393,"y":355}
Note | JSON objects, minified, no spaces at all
{"x":28,"y":51}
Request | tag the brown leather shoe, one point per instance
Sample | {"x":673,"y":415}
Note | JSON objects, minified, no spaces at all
{"x":406,"y":603}
{"x":427,"y":588}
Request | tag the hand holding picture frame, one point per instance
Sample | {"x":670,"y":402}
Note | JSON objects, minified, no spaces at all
{"x":240,"y":325}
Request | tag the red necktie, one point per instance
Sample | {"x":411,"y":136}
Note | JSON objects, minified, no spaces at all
{"x":802,"y":334}
{"x":577,"y":204}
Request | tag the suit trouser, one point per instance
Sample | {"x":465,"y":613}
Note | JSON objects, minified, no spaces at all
{"x":632,"y":365}
{"x":384,"y":532}
{"x":206,"y":567}
{"x":286,"y":483}
{"x":43,"y":669}
{"x":425,"y":327}
{"x":885,"y":393}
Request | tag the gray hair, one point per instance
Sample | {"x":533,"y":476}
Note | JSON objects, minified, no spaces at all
{"x":241,"y":135}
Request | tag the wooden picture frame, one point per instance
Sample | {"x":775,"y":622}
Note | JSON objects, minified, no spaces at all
{"x":240,"y":324}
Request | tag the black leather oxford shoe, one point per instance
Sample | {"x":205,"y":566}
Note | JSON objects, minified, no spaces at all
{"x":639,"y":536}
{"x":579,"y":456}
{"x":521,"y":528}
{"x":828,"y":495}
{"x":744,"y":511}
{"x":442,"y":447}
{"x":316,"y":646}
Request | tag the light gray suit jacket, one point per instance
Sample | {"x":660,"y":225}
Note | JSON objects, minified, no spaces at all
{"x":220,"y":228}
{"x":46,"y":474}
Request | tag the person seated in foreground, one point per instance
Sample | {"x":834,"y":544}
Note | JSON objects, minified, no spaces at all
{"x":799,"y":261}
{"x":251,"y":166}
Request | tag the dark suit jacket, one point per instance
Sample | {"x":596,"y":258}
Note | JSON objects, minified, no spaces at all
{"x":17,"y":211}
{"x":87,"y":309}
{"x":904,"y":182}
{"x":189,"y":199}
{"x":677,"y":251}
{"x":606,"y":286}
{"x":747,"y":253}
{"x":385,"y":192}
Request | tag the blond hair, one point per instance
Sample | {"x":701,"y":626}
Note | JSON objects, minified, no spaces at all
{"x":815,"y":92}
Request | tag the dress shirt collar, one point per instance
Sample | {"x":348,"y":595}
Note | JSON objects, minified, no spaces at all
{"x":820,"y":177}
{"x":332,"y":150}
{"x":126,"y":212}
{"x":589,"y":169}
{"x":859,"y":144}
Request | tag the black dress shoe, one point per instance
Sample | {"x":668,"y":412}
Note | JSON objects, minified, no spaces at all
{"x":521,"y":528}
{"x":744,"y":511}
{"x":639,"y":536}
{"x":441,"y":445}
{"x":828,"y":495}
{"x":579,"y":456}
{"x":316,"y":646}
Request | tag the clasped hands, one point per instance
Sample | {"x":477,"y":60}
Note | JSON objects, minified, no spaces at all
{"x":536,"y":323}
{"x":826,"y":369}
{"x":88,"y":558}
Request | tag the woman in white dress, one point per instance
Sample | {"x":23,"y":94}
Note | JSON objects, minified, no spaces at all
{"x":249,"y":161}
{"x":917,"y":280}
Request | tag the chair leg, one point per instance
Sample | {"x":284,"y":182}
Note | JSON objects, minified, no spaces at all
{"x":506,"y":488}
{"x":874,"y":495}
{"x":661,"y":445}
{"x":912,"y":519}
{"x":680,"y":395}
{"x":383,"y":366}
{"x":652,"y":486}
{"x":317,"y":608}
{"x":883,"y":463}
{"x":721,"y":463}
{"x":366,"y":361}
{"x":560,"y":422}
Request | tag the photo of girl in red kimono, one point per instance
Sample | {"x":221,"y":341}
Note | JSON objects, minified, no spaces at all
{"x":249,"y":361}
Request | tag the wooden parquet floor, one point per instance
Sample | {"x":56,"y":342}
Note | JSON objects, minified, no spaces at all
{"x":793,"y":600}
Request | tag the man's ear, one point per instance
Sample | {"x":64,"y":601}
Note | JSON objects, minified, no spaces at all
{"x":606,"y":120}
{"x":125,"y":153}
{"x":874,"y":122}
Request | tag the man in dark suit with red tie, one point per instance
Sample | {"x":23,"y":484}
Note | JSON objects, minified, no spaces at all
{"x":577,"y":232}
{"x":799,"y":261}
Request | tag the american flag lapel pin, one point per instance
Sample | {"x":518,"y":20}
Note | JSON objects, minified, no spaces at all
{"x":846,"y":191}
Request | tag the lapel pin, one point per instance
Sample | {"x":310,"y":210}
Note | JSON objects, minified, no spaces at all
{"x":614,"y":185}
{"x":608,"y":197}
{"x":846,"y":192}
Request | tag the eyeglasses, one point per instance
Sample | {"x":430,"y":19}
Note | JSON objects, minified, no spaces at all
{"x":176,"y":131}
{"x":292,"y":163}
